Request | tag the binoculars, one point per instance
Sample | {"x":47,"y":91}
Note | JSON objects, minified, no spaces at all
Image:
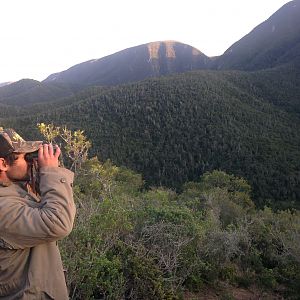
{"x":29,"y":157}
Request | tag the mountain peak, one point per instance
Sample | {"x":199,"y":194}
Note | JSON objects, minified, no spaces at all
{"x":169,"y":47}
{"x":134,"y":64}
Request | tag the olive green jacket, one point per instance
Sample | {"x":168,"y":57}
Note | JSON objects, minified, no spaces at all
{"x":30,"y":262}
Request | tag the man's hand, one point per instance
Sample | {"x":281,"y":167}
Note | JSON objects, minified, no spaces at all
{"x":47,"y":157}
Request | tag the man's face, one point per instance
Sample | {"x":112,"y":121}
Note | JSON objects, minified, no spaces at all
{"x":19,"y":170}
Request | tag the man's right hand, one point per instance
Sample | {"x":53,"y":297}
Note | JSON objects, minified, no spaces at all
{"x":47,"y":157}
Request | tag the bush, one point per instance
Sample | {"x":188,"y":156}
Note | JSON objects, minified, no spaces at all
{"x":130,"y":243}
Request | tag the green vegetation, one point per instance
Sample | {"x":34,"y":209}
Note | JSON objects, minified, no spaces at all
{"x":29,"y":91}
{"x":130,"y":242}
{"x":174,"y":129}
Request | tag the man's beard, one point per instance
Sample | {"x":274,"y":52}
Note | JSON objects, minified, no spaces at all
{"x":16,"y":177}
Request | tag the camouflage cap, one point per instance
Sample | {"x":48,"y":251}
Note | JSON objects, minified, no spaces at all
{"x":10,"y":142}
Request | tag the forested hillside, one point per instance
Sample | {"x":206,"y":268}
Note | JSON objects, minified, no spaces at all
{"x":207,"y":242}
{"x":173,"y":129}
{"x":279,"y":86}
{"x":27,"y":91}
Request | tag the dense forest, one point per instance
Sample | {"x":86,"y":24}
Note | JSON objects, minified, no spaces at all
{"x":208,"y":241}
{"x":131,"y":243}
{"x":174,"y":129}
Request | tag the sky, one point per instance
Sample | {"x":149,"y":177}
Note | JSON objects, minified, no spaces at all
{"x":41,"y":37}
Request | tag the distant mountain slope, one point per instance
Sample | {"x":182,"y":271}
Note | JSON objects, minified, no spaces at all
{"x":134,"y":64}
{"x":274,"y":42}
{"x":29,"y":91}
{"x":173,"y":129}
{"x":279,"y":86}
{"x":17,"y":88}
{"x":5,"y":83}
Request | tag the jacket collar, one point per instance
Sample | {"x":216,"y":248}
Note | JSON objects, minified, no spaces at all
{"x":4,"y":184}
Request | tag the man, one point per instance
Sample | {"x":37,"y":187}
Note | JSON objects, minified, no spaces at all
{"x":30,"y":262}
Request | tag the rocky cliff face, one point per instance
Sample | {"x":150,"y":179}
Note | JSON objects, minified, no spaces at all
{"x":172,"y":57}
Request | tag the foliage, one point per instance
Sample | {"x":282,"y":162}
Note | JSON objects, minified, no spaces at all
{"x":129,"y":242}
{"x":76,"y":145}
{"x":49,"y":131}
{"x":174,"y":129}
{"x":136,"y":243}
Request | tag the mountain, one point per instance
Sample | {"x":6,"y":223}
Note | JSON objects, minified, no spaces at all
{"x":174,"y":128}
{"x":28,"y":91}
{"x":134,"y":64}
{"x":272,"y":43}
{"x":5,"y":83}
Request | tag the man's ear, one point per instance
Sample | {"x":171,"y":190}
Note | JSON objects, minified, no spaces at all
{"x":3,"y":164}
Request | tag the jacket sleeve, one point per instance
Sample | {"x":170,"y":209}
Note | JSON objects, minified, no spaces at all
{"x":25,"y":226}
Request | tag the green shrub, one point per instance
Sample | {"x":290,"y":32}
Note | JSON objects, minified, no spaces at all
{"x":267,"y":278}
{"x":143,"y":279}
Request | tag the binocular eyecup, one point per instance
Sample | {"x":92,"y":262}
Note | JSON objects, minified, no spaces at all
{"x":29,"y":157}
